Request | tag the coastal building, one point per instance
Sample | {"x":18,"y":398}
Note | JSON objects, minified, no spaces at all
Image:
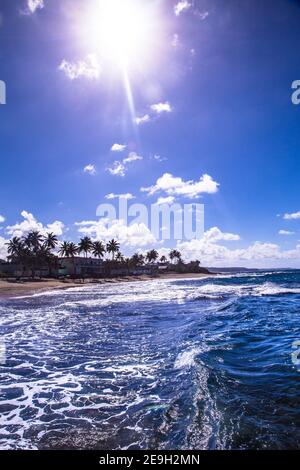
{"x":17,"y":270}
{"x":149,"y":269}
{"x":162,"y":267}
{"x":80,"y":267}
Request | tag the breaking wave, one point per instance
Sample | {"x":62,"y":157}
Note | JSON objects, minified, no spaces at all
{"x":198,"y":363}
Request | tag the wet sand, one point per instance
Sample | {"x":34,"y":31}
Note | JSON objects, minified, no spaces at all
{"x":15,"y":289}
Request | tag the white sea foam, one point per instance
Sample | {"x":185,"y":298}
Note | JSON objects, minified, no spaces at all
{"x":273,"y":289}
{"x":186,"y":358}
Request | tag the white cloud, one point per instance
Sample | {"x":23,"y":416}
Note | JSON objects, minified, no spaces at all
{"x":215,"y":234}
{"x":181,"y":7}
{"x":211,"y":253}
{"x":158,"y":158}
{"x":161,"y":107}
{"x":127,"y":196}
{"x":30,"y":223}
{"x":286,"y":232}
{"x":175,"y":186}
{"x":90,"y":169}
{"x":2,"y":219}
{"x":132,"y":157}
{"x":202,"y":15}
{"x":142,"y":119}
{"x":3,"y":248}
{"x":118,"y":148}
{"x":119,"y":168}
{"x":293,"y":216}
{"x":135,"y":235}
{"x":33,"y":5}
{"x":88,"y":68}
{"x":165,"y":200}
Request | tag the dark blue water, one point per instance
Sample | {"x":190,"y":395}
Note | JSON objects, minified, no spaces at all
{"x":191,"y":364}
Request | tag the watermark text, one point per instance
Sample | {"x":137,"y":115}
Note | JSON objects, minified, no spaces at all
{"x":2,"y":92}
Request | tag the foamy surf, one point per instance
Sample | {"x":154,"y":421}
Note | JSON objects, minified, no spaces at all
{"x":82,"y":365}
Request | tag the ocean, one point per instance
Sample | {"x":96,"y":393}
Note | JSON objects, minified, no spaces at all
{"x":208,"y":363}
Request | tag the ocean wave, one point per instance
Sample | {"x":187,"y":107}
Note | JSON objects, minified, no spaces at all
{"x":151,"y":365}
{"x":187,"y":358}
{"x":270,"y":289}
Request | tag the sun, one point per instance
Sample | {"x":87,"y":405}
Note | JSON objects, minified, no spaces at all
{"x":121,"y":31}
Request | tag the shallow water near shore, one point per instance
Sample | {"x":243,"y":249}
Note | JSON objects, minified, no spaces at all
{"x":182,"y":364}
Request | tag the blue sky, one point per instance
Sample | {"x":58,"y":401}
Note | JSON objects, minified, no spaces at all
{"x":211,"y":83}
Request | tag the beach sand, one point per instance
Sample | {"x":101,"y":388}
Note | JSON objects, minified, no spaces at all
{"x":15,"y":289}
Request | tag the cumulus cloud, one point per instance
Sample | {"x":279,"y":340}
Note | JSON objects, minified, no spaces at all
{"x":156,"y":109}
{"x":165,"y":200}
{"x":118,"y":148}
{"x":142,"y":119}
{"x":214,"y":234}
{"x":286,"y":232}
{"x":176,"y":186}
{"x":127,"y":196}
{"x":90,"y":169}
{"x":211,"y":252}
{"x":161,"y":107}
{"x":3,"y":248}
{"x":132,"y":157}
{"x":131,"y":236}
{"x":2,"y":219}
{"x":293,"y":216}
{"x":30,"y":223}
{"x":88,"y":68}
{"x":181,"y":7}
{"x":119,"y":168}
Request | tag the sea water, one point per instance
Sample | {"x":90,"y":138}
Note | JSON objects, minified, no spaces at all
{"x":184,"y":364}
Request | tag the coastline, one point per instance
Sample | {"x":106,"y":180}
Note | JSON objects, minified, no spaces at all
{"x":10,"y":289}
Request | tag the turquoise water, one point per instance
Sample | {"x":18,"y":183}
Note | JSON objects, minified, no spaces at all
{"x":189,"y":364}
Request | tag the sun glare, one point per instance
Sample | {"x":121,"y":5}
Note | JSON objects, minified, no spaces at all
{"x":121,"y":31}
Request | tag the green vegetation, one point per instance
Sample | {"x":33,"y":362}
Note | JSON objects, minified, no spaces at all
{"x":35,"y":251}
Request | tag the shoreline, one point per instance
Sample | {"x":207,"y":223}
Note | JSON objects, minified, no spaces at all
{"x":9,"y":289}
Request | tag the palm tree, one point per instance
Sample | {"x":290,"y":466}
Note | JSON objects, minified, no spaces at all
{"x":64,"y":250}
{"x":15,"y":247}
{"x":98,"y":249}
{"x":34,"y":240}
{"x":172,"y":255}
{"x":69,"y":250}
{"x":152,"y":256}
{"x":18,"y":252}
{"x":85,"y":245}
{"x":163,"y":259}
{"x":120,"y":258}
{"x":175,"y":254}
{"x":137,"y":260}
{"x":72,"y":250}
{"x":50,"y":241}
{"x":112,"y":247}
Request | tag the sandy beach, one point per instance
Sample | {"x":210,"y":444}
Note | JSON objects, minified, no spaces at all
{"x":15,"y":289}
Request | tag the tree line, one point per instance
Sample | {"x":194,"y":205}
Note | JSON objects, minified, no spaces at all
{"x":35,"y":250}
